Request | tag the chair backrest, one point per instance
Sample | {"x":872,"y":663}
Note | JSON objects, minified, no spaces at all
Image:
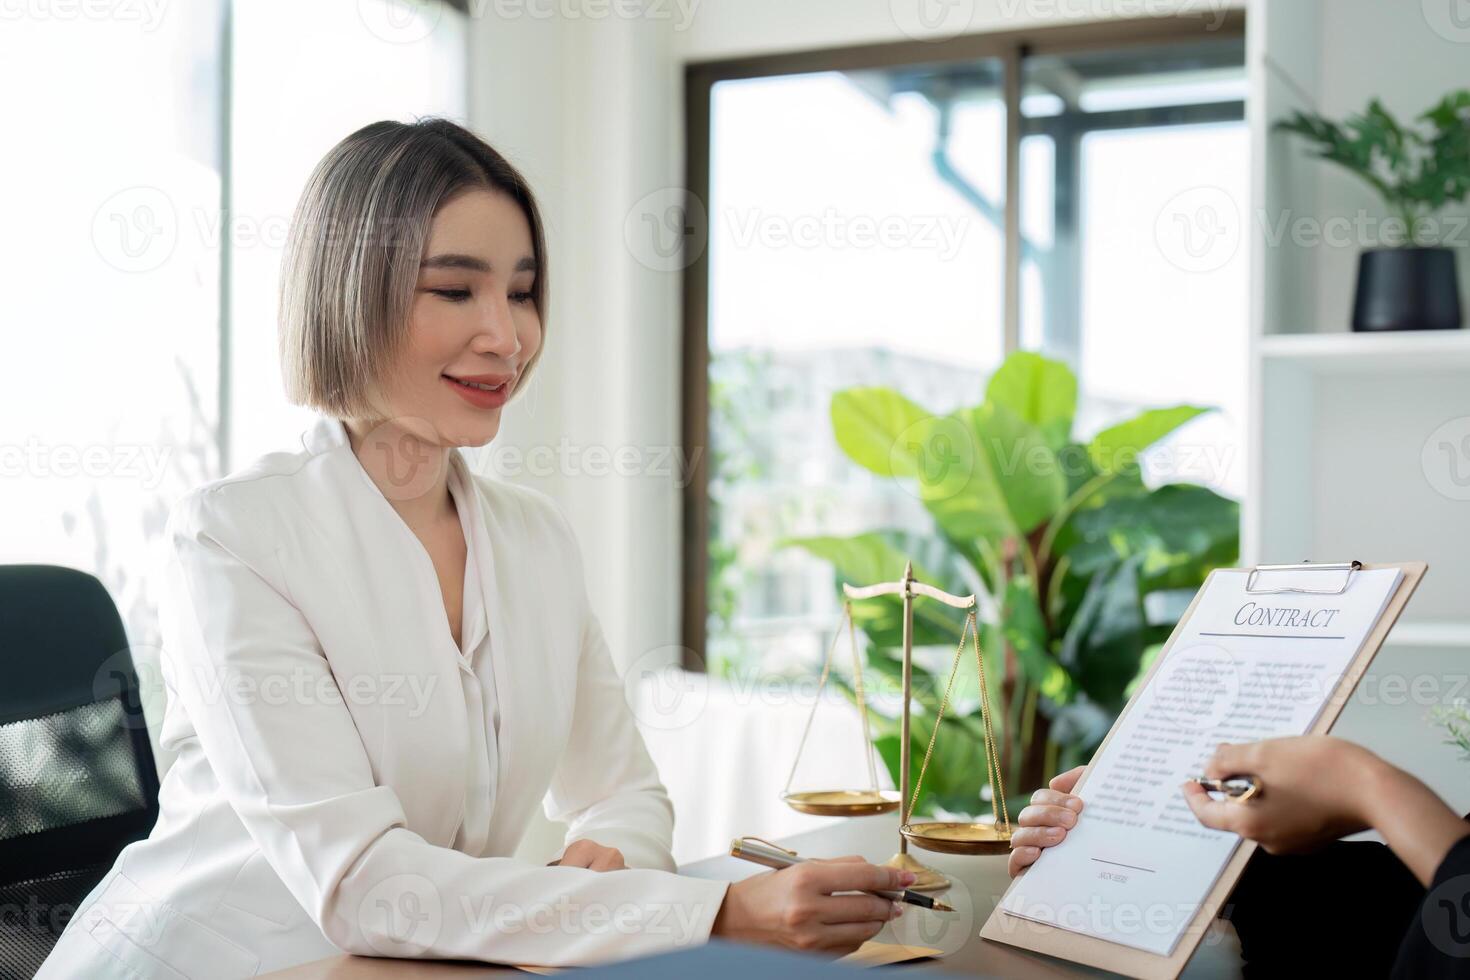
{"x":77,"y":779}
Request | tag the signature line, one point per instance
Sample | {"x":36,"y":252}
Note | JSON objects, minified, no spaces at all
{"x":1278,"y":636}
{"x":1121,"y":865}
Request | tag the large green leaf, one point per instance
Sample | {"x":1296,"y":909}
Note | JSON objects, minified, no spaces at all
{"x":1106,"y":638}
{"x":880,"y":556}
{"x":956,"y":772}
{"x":1177,"y":528}
{"x":1119,"y":447}
{"x":1039,"y":391}
{"x":928,"y":688}
{"x":879,"y":429}
{"x":1025,"y":629}
{"x":998,"y":477}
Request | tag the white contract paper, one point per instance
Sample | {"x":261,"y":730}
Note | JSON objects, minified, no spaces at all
{"x":1246,"y":666}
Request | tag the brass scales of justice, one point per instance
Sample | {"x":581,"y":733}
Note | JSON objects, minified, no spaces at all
{"x":941,"y":836}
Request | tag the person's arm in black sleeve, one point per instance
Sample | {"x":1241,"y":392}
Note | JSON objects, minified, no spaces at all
{"x":1437,"y":943}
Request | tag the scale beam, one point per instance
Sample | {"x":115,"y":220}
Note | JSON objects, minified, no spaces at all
{"x":914,"y":588}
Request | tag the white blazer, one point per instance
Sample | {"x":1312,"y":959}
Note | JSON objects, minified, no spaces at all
{"x":314,"y":703}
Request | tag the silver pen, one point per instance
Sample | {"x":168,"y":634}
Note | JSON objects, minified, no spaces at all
{"x":775,"y":856}
{"x":1237,"y":789}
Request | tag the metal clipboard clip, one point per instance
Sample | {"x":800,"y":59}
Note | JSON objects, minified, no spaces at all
{"x":1350,"y":567}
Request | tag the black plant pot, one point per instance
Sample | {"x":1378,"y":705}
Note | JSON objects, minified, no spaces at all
{"x":1407,"y":289}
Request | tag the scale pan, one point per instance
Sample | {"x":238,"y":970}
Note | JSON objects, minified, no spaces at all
{"x":844,"y":802}
{"x":958,"y":838}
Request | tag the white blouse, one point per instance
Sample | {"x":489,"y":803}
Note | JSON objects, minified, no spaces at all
{"x":326,"y":730}
{"x":476,"y":675}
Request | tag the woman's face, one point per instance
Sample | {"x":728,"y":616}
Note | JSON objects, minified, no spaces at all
{"x":472,"y":319}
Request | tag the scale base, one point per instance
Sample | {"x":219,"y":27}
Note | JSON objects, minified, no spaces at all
{"x":928,"y":879}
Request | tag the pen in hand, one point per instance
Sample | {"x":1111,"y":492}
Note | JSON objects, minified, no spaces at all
{"x":762,"y":852}
{"x":1236,"y":789}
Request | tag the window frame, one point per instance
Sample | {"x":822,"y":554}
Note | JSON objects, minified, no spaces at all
{"x":1010,"y":48}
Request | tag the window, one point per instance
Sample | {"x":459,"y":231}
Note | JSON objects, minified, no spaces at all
{"x":148,"y":242}
{"x":112,"y":298}
{"x":842,"y":252}
{"x":1133,"y":266}
{"x":857,"y":236}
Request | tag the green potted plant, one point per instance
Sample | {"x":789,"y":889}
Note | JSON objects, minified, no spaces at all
{"x":1416,"y":171}
{"x":1090,"y":567}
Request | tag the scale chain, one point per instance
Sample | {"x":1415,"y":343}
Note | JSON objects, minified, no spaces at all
{"x":821,"y":685}
{"x":992,"y":767}
{"x":857,"y":671}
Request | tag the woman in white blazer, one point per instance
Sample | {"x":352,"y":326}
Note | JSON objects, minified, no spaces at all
{"x":378,"y":662}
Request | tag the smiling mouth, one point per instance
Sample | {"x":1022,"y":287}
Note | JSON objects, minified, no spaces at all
{"x":479,"y":385}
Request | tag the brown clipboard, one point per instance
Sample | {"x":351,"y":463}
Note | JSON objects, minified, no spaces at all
{"x":1092,"y":951}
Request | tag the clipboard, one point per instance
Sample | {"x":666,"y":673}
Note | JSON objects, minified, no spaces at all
{"x":1090,"y":950}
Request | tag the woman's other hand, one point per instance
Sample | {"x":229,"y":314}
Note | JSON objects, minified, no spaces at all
{"x":590,"y":854}
{"x":796,"y":907}
{"x":1053,"y":812}
{"x":1314,"y":789}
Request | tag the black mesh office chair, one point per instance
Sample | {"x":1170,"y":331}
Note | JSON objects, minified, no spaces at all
{"x":77,"y":781}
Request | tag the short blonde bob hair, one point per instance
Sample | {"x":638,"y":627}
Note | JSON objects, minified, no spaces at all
{"x":352,"y":255}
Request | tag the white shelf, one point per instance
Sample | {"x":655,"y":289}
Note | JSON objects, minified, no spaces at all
{"x":1370,"y":353}
{"x":1431,"y":634}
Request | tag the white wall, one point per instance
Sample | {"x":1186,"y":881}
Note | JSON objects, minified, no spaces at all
{"x":1396,"y":52}
{"x":582,"y":106}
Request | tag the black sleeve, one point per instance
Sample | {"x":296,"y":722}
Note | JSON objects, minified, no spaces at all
{"x":1340,"y":910}
{"x":1436,"y":943}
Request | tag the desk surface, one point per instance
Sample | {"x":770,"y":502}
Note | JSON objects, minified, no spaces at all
{"x":978,"y":884}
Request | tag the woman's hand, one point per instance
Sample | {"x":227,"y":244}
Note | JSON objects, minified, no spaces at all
{"x":795,"y":907}
{"x":590,"y":854}
{"x":1046,"y":821}
{"x":1315,"y":789}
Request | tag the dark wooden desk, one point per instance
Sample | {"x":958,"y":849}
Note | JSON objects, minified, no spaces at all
{"x":978,"y":884}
